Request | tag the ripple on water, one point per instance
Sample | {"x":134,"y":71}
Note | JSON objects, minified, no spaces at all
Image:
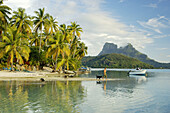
{"x":126,"y":100}
{"x":139,"y":102}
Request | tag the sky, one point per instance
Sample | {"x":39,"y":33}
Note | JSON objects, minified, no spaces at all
{"x":143,"y":23}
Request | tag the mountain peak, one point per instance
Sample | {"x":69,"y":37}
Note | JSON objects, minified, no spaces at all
{"x":112,"y":48}
{"x":107,"y":47}
{"x":130,"y":51}
{"x":129,"y":45}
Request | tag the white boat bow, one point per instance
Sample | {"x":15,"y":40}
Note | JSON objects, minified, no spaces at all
{"x":137,"y":72}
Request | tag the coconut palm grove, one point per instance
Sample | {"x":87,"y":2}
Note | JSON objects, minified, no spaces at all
{"x":38,"y":41}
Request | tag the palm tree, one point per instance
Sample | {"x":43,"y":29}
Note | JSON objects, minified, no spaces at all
{"x":4,"y":11}
{"x":21,"y":21}
{"x":69,"y":61}
{"x":14,"y":47}
{"x":63,"y":28}
{"x":34,"y":40}
{"x":75,"y":29}
{"x":57,"y":47}
{"x":51,"y":24}
{"x":50,"y":27}
{"x":74,"y":45}
{"x":39,"y":22}
{"x":81,"y":50}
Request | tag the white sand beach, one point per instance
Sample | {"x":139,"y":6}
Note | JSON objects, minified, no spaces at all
{"x":47,"y":76}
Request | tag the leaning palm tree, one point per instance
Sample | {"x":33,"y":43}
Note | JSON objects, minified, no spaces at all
{"x":57,"y":47}
{"x":14,"y":47}
{"x":4,"y":12}
{"x":22,"y":21}
{"x":39,"y":21}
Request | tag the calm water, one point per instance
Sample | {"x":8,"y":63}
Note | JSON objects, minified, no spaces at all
{"x":149,"y":94}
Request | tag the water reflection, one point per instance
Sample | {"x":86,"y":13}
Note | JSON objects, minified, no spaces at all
{"x":56,"y":96}
{"x":131,"y":95}
{"x":13,"y":100}
{"x":139,"y":79}
{"x":126,"y":86}
{"x":110,"y":74}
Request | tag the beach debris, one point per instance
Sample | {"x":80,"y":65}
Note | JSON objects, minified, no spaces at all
{"x":99,"y":77}
{"x":42,"y":79}
{"x":69,"y":72}
{"x":65,"y":76}
{"x":71,"y":75}
{"x":48,"y":69}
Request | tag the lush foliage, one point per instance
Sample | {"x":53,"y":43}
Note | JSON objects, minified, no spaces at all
{"x":39,"y":40}
{"x":114,"y":61}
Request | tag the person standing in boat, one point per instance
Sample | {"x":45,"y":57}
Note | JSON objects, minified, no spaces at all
{"x":105,"y":75}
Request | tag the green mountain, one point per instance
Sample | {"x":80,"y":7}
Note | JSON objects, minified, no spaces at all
{"x":130,"y":51}
{"x":113,"y":61}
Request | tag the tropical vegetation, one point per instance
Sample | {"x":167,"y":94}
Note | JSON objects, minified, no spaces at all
{"x":39,"y":40}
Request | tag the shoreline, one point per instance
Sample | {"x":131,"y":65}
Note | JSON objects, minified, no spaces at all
{"x":47,"y":76}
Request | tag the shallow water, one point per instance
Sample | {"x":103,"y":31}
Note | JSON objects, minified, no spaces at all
{"x":149,"y":94}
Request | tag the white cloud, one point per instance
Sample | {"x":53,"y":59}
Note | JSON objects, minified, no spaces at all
{"x":101,"y":28}
{"x":168,"y":55}
{"x":162,"y":48}
{"x":14,"y":4}
{"x":98,"y":26}
{"x":161,"y":36}
{"x":152,"y":5}
{"x":121,"y":1}
{"x":156,"y":24}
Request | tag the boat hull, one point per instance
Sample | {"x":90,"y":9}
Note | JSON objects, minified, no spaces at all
{"x":138,"y":72}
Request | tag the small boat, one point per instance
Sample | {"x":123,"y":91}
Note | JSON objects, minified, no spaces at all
{"x":84,"y":70}
{"x":137,"y":72}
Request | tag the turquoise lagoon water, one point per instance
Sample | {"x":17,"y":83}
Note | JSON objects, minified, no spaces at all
{"x":149,"y":94}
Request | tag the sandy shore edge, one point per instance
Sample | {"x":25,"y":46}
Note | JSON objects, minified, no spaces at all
{"x":47,"y":76}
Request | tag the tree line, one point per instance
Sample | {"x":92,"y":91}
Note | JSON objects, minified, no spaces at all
{"x":39,"y":40}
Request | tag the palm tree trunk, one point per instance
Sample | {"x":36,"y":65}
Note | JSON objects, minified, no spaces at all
{"x":0,"y":32}
{"x":67,"y":66}
{"x":40,"y":47}
{"x":74,"y":35}
{"x":12,"y":65}
{"x":46,"y":42}
{"x":40,"y":40}
{"x":0,"y":35}
{"x":56,"y":63}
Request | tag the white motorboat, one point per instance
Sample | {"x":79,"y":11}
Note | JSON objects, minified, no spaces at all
{"x":138,"y":72}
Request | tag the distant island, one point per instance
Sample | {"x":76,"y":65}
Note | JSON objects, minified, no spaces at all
{"x":113,"y":60}
{"x":122,"y":58}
